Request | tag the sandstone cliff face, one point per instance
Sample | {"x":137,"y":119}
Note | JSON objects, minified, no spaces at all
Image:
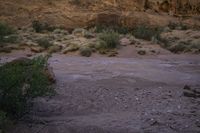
{"x":84,"y":13}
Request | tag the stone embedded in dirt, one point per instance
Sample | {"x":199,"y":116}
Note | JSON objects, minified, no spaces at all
{"x":55,"y":48}
{"x":112,"y":53}
{"x":29,"y":55}
{"x":37,"y":49}
{"x":71,"y":48}
{"x":30,"y":43}
{"x":125,"y":42}
{"x":153,"y":51}
{"x":5,"y":50}
{"x":141,"y":52}
{"x":186,"y":87}
{"x":191,"y":92}
{"x":60,"y":31}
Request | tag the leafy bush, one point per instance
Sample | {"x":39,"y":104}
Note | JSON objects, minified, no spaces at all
{"x":44,"y":42}
{"x":75,"y":2}
{"x":146,"y":33}
{"x":108,"y":40}
{"x":86,"y":51}
{"x":6,"y":30}
{"x":179,"y":26}
{"x":37,"y":26}
{"x":180,"y":47}
{"x":20,"y":81}
{"x":40,"y":26}
{"x":118,"y":29}
{"x":82,"y":3}
{"x":4,"y":122}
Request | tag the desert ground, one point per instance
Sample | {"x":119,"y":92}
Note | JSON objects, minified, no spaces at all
{"x":102,"y":66}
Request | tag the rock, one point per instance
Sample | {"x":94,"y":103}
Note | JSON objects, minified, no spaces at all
{"x":123,"y":13}
{"x":57,"y":31}
{"x":167,"y":29}
{"x":71,"y":48}
{"x":112,"y":53}
{"x":82,"y":33}
{"x":5,"y":50}
{"x":69,"y":37}
{"x":125,"y":42}
{"x":78,"y":32}
{"x":88,"y":34}
{"x":30,"y":43}
{"x":141,"y":52}
{"x":191,"y":92}
{"x":29,"y":55}
{"x":61,"y":31}
{"x":37,"y":49}
{"x":53,"y":49}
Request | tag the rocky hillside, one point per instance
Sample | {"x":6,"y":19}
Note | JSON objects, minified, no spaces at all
{"x":84,"y":13}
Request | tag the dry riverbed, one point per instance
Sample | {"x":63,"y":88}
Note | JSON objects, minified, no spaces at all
{"x":118,"y":95}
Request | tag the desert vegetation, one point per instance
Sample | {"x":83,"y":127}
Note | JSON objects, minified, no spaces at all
{"x":99,"y":66}
{"x":5,"y":32}
{"x":21,"y":81}
{"x":101,"y":39}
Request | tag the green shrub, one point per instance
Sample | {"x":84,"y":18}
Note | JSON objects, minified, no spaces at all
{"x":38,"y":26}
{"x":179,"y":26}
{"x":118,"y":29}
{"x":44,"y":42}
{"x":75,"y":2}
{"x":146,"y":33}
{"x":4,"y":122}
{"x":86,"y":51}
{"x":6,"y":30}
{"x":20,"y":81}
{"x":172,"y":25}
{"x":109,"y":39}
{"x":41,"y":26}
{"x":82,"y":3}
{"x":180,"y":47}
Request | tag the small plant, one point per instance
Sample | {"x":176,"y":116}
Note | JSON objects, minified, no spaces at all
{"x":180,"y":47}
{"x":179,"y":26}
{"x":75,"y":2}
{"x":118,"y":29}
{"x":6,"y":30}
{"x":22,"y":80}
{"x":37,"y":26}
{"x":86,"y":51}
{"x":4,"y":122}
{"x":146,"y":33}
{"x":44,"y":42}
{"x":172,"y":25}
{"x":40,"y":26}
{"x":109,"y":40}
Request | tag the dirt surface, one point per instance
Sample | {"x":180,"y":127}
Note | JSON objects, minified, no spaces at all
{"x":118,"y":95}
